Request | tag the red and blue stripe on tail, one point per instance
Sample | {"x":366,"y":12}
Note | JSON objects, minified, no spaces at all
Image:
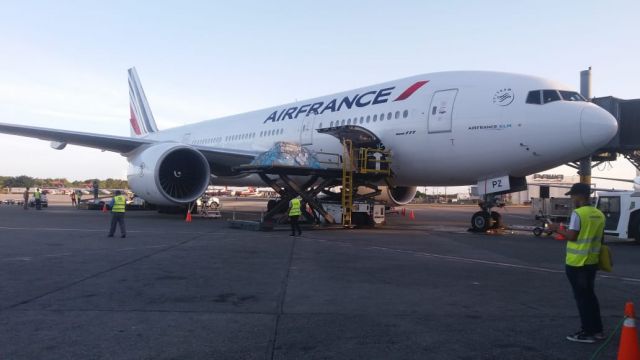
{"x":142,"y":121}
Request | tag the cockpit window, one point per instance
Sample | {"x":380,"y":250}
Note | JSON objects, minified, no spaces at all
{"x":534,"y":97}
{"x":550,"y":96}
{"x":547,"y":96}
{"x":571,"y":96}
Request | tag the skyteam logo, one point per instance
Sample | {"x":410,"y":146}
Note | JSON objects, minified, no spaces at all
{"x":368,"y":98}
{"x":503,"y":97}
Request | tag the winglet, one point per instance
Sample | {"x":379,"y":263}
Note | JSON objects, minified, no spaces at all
{"x":142,"y":121}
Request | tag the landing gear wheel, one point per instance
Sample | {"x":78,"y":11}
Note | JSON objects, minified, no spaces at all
{"x":480,"y":221}
{"x":497,"y":220}
{"x":537,"y":231}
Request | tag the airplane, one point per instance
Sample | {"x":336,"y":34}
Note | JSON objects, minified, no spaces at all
{"x":443,"y":129}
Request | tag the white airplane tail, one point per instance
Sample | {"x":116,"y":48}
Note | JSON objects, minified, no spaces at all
{"x":142,"y":121}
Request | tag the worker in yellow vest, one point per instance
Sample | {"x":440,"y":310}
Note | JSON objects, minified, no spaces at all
{"x":118,"y":204}
{"x":294,"y":211}
{"x":37,"y":196}
{"x":584,"y":239}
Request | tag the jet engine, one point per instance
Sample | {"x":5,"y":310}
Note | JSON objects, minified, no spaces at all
{"x":397,"y":195}
{"x":168,"y":174}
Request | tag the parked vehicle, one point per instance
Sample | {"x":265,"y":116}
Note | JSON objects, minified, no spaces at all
{"x":622,"y":210}
{"x":43,"y":201}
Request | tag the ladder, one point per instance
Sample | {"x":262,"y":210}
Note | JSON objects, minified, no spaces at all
{"x":347,"y":182}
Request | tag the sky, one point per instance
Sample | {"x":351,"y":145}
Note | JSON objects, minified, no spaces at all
{"x":64,"y":63}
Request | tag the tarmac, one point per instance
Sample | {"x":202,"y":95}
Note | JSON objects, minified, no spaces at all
{"x":421,"y":289}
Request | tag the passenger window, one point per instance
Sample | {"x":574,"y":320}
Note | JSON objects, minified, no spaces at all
{"x":331,"y":123}
{"x":389,"y":116}
{"x":369,"y":118}
{"x":405,"y":114}
{"x":342,"y":122}
{"x":550,"y":96}
{"x":571,"y":96}
{"x":348,"y":121}
{"x":361,"y":119}
{"x":397,"y":115}
{"x":375,"y":117}
{"x":433,"y":111}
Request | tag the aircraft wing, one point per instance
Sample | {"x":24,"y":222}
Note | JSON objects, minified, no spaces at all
{"x":121,"y":144}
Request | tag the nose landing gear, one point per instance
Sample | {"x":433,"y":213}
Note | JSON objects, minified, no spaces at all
{"x":486,"y":219}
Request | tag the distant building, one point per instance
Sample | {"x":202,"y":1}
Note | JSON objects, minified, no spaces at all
{"x":536,"y":180}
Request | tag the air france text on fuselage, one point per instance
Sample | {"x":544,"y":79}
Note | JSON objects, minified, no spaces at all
{"x":373,"y":97}
{"x":318,"y":108}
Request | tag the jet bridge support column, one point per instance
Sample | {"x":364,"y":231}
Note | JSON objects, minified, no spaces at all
{"x":585,"y":91}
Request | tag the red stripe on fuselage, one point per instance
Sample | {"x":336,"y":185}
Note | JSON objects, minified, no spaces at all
{"x":134,"y":122}
{"x":410,"y":90}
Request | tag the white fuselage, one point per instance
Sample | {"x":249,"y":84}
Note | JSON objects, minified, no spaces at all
{"x":455,"y":129}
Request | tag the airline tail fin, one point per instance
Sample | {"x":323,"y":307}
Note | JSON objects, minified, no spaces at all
{"x":142,"y":121}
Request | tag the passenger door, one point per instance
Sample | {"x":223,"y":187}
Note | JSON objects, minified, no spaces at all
{"x":441,"y":110}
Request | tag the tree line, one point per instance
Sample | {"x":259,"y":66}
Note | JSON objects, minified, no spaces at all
{"x":28,"y":181}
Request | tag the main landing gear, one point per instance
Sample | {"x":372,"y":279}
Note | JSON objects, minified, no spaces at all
{"x":486,"y":219}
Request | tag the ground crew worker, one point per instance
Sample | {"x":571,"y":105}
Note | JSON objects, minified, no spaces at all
{"x":79,"y":197}
{"x":73,"y":198}
{"x":294,"y":212}
{"x":584,"y":239}
{"x":37,"y":196}
{"x":25,"y":196}
{"x":118,"y":204}
{"x":96,"y":186}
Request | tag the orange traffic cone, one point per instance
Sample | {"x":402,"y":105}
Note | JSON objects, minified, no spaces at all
{"x":412,"y":216}
{"x":628,"y":349}
{"x":188,"y":219}
{"x":403,"y":211}
{"x":104,"y":207}
{"x":559,"y":236}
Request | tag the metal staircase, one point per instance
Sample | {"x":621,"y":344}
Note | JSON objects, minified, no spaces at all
{"x":347,"y":182}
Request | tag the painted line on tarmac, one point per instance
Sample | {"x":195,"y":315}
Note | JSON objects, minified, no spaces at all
{"x":29,"y":258}
{"x":475,"y":261}
{"x":103,"y":230}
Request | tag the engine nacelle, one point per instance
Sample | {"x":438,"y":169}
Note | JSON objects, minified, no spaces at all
{"x":168,"y":174}
{"x":397,"y":195}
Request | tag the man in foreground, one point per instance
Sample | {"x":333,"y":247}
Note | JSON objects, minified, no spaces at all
{"x":584,"y":239}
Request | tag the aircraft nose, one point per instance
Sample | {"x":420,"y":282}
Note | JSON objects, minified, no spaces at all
{"x":597,"y":127}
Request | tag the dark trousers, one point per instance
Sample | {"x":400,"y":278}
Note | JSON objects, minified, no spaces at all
{"x":117,"y":218}
{"x":582,"y":279}
{"x":38,"y":204}
{"x":294,"y":225}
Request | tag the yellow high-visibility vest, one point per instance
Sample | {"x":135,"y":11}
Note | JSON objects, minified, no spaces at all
{"x":119,"y":203}
{"x":37,"y":195}
{"x":295,"y":207}
{"x":586,"y":249}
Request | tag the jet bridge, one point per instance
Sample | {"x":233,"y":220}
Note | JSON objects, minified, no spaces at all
{"x":627,"y":141}
{"x":364,"y":162}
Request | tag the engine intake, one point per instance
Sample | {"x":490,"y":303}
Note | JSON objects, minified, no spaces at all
{"x":397,"y":195}
{"x":169,"y":174}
